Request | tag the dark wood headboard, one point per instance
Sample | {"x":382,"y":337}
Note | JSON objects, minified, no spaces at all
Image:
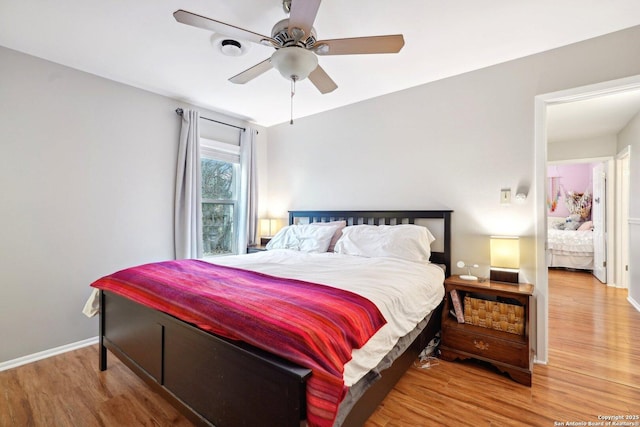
{"x":387,"y":218}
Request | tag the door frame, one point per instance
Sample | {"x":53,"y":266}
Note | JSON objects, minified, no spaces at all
{"x":540,"y":151}
{"x":622,"y":160}
{"x":604,"y":229}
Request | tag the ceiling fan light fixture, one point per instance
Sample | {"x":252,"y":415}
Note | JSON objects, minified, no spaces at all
{"x":294,"y":63}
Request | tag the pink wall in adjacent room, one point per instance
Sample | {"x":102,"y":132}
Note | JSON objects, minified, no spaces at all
{"x":576,"y":177}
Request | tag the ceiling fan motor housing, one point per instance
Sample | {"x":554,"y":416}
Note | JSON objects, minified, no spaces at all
{"x":280,"y":33}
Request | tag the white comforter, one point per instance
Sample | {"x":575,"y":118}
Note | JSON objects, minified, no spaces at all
{"x":404,"y":291}
{"x":570,"y":242}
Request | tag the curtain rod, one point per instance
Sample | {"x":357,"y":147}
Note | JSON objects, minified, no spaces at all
{"x":180,"y":111}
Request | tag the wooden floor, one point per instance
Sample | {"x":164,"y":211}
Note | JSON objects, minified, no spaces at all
{"x":594,"y":369}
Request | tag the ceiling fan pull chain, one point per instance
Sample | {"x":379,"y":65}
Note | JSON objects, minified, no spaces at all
{"x":293,"y":92}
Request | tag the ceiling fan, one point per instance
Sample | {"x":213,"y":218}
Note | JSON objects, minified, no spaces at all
{"x":296,"y":44}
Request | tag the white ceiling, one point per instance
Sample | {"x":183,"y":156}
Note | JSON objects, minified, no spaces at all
{"x":139,"y":43}
{"x":604,"y":115}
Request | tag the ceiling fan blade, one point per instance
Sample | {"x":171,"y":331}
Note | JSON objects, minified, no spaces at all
{"x":252,"y":73}
{"x":360,"y":45}
{"x":302,"y":15}
{"x":322,"y":81}
{"x":203,"y":22}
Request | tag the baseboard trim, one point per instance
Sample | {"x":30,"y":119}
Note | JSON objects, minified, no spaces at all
{"x":634,"y":303}
{"x":9,"y":364}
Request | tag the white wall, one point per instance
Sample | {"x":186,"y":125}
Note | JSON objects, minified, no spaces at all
{"x":630,"y":136}
{"x":451,"y":144}
{"x":87,"y":171}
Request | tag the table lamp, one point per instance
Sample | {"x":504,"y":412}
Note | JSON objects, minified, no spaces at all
{"x":505,"y":259}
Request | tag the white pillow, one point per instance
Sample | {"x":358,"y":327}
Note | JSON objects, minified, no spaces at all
{"x":405,"y":241}
{"x":334,"y":239}
{"x":304,"y":238}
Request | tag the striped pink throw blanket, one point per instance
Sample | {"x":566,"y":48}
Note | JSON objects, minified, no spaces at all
{"x":315,"y":326}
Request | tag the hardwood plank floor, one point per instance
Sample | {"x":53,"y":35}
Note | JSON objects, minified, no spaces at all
{"x":594,"y":360}
{"x":68,"y":390}
{"x":593,"y":370}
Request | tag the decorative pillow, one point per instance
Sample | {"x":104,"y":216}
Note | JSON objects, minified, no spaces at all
{"x":336,"y":235}
{"x":571,"y":225}
{"x":586,"y":226}
{"x":574,"y":218}
{"x":304,"y":238}
{"x":405,"y":241}
{"x":572,"y":222}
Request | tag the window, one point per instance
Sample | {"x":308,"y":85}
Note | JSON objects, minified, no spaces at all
{"x":220,"y":164}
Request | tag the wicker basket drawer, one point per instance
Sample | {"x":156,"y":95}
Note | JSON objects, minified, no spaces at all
{"x":494,"y":315}
{"x":485,"y":346}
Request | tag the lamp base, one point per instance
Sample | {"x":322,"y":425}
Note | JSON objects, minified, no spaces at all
{"x":507,"y":276}
{"x":468,"y":277}
{"x":264,"y":240}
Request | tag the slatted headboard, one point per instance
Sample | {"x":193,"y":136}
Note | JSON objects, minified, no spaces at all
{"x":438,"y":222}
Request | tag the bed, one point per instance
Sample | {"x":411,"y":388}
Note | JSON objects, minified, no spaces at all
{"x":569,"y":248}
{"x":217,"y":380}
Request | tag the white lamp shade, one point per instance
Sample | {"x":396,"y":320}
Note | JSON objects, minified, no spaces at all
{"x":269,"y":227}
{"x":505,"y":252}
{"x":294,"y":62}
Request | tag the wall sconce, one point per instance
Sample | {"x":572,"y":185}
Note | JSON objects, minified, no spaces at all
{"x":522,"y":192}
{"x":505,"y":259}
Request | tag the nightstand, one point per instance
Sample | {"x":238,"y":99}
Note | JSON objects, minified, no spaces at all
{"x":496,"y":328}
{"x":259,"y":248}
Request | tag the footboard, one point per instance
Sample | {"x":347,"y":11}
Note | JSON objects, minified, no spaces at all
{"x":213,"y":381}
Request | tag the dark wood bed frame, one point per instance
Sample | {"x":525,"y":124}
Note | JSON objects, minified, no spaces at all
{"x":219,"y":382}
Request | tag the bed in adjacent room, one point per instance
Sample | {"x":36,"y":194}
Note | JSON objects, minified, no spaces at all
{"x":569,"y":243}
{"x":316,"y":330}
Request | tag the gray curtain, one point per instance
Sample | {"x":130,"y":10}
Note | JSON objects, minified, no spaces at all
{"x":248,"y":204}
{"x":188,"y":200}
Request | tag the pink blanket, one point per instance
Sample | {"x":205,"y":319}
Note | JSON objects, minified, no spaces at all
{"x":313,"y":325}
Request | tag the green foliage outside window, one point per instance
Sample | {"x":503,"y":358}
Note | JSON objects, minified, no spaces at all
{"x":217,"y":180}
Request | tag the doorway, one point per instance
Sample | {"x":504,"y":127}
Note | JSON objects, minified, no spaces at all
{"x":542,"y":103}
{"x":577,"y":203}
{"x":585,"y":128}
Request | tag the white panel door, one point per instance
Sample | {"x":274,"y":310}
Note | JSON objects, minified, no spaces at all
{"x":598,"y":211}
